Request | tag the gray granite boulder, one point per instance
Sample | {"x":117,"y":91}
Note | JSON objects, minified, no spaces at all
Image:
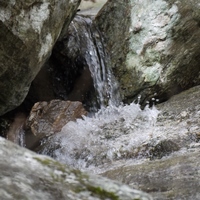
{"x":154,"y":45}
{"x":26,"y":175}
{"x":28,"y":31}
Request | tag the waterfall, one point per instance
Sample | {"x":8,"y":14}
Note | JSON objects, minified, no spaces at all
{"x":97,"y":60}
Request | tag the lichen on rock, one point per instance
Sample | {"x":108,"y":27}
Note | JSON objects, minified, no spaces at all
{"x":154,"y":46}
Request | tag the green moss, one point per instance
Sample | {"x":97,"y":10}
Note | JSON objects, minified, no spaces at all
{"x":103,"y":194}
{"x":45,"y":161}
{"x":79,"y":175}
{"x":51,"y":163}
{"x":55,"y":166}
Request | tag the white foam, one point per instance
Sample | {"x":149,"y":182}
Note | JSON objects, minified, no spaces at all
{"x":95,"y":141}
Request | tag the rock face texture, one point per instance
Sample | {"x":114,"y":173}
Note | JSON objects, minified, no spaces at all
{"x":170,"y":178}
{"x":154,"y":45}
{"x":28,"y":31}
{"x":91,"y":7}
{"x":47,"y":118}
{"x":26,"y":175}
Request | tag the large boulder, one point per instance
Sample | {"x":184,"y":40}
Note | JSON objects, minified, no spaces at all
{"x":154,"y":45}
{"x":26,"y":175}
{"x":28,"y":31}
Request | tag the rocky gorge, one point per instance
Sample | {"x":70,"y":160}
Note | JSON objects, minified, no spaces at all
{"x":114,"y":93}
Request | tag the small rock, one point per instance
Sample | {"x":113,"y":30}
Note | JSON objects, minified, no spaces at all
{"x":47,"y":118}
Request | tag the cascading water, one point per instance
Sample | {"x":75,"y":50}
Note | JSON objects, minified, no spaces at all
{"x":97,"y":60}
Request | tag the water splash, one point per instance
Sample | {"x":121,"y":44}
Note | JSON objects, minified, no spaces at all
{"x":113,"y":133}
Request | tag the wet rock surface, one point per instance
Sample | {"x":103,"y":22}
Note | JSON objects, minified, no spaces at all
{"x":26,"y":175}
{"x":154,"y":46}
{"x":28,"y":32}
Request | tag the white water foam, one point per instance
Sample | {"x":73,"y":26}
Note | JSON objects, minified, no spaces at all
{"x":113,"y":133}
